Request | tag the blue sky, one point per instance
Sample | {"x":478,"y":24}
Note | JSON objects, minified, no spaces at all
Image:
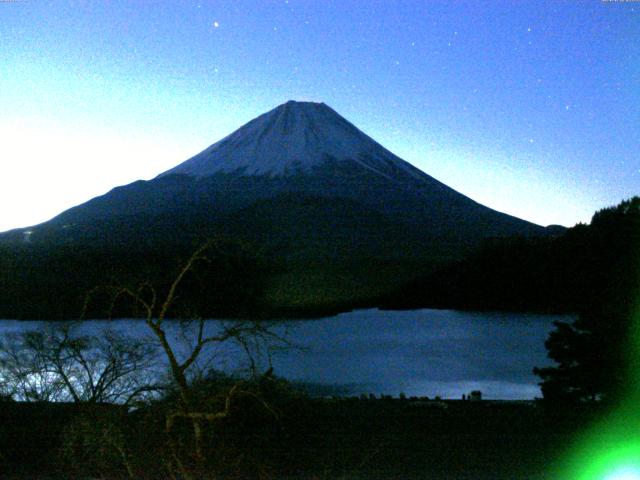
{"x":530,"y":107}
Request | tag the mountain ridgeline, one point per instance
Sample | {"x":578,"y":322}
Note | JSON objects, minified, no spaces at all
{"x":332,"y":218}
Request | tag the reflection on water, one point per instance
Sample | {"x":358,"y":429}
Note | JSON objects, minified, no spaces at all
{"x":421,"y":352}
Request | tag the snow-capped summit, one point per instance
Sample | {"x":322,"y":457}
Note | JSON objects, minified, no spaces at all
{"x":292,"y":138}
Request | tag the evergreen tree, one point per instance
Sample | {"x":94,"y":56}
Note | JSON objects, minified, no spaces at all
{"x":596,"y":354}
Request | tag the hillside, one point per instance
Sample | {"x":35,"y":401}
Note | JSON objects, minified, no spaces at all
{"x":324,"y":205}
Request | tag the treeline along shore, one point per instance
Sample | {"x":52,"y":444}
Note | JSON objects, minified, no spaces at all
{"x":560,"y":273}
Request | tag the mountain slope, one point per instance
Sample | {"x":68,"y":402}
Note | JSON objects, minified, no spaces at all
{"x":335,"y":218}
{"x":297,"y":148}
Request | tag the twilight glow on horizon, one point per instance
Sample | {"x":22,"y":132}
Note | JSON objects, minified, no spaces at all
{"x":530,"y":107}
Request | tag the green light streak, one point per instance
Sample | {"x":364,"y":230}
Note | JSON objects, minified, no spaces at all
{"x":624,"y":473}
{"x":611,"y":449}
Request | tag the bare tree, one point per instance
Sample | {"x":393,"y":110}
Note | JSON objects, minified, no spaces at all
{"x":61,"y":364}
{"x":250,"y":335}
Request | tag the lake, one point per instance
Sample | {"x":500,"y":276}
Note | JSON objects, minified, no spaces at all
{"x":426,"y":352}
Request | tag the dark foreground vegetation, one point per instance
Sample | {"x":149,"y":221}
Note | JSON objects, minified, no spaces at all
{"x":296,"y":437}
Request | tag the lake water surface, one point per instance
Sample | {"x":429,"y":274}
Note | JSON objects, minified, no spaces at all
{"x":421,"y":352}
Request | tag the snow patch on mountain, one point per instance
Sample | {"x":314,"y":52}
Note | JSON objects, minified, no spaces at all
{"x":293,"y":138}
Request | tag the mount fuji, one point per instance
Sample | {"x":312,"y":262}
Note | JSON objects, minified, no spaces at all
{"x":297,"y":175}
{"x":338,"y":219}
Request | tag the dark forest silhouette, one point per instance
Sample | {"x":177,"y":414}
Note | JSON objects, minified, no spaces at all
{"x":596,"y":355}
